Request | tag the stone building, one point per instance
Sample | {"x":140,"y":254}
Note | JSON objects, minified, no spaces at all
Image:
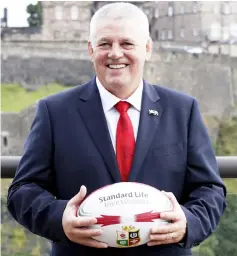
{"x":66,"y":20}
{"x":191,"y":22}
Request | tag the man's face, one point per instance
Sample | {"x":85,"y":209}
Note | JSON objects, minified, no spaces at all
{"x":119,"y":52}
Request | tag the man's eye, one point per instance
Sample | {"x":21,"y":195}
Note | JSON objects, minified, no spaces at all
{"x":103,"y":44}
{"x":128,"y":45}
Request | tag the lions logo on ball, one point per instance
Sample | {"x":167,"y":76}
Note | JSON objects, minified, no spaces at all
{"x":128,"y":236}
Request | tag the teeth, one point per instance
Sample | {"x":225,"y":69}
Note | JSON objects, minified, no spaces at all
{"x":117,"y":66}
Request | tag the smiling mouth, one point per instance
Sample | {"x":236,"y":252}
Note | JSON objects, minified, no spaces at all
{"x":117,"y":66}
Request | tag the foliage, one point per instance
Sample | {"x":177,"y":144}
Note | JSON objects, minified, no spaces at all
{"x":226,"y":234}
{"x":223,"y":241}
{"x":16,"y":98}
{"x":226,"y":145}
{"x":231,"y":185}
{"x":35,"y":12}
{"x":16,"y":240}
{"x":227,"y":138}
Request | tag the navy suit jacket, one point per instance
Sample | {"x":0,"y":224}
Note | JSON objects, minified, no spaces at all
{"x":69,"y":145}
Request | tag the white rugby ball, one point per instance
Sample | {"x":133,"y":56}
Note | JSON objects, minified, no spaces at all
{"x":126,"y":212}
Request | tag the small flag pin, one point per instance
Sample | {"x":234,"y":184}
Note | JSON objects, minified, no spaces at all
{"x":153,"y":112}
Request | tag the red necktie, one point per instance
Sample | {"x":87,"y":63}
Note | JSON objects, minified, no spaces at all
{"x":125,"y":141}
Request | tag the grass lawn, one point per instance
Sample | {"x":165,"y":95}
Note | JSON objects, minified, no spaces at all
{"x":15,"y":98}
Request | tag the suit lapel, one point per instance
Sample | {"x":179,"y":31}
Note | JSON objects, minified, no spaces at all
{"x":147,"y":127}
{"x":92,"y":113}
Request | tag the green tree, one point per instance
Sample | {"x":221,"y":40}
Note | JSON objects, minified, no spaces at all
{"x":226,"y":232}
{"x":223,"y":241}
{"x":35,"y":12}
{"x":207,"y":248}
{"x":226,"y":142}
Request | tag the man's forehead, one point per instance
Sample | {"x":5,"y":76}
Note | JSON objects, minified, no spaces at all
{"x":121,"y":21}
{"x":127,"y":25}
{"x":110,"y":38}
{"x":124,"y":29}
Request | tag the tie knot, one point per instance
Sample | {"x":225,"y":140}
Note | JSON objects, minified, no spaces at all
{"x":122,"y":106}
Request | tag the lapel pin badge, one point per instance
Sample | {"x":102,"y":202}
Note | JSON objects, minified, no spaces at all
{"x":153,"y":112}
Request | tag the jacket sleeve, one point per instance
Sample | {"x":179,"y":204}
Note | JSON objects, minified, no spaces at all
{"x":32,"y":195}
{"x":204,"y":193}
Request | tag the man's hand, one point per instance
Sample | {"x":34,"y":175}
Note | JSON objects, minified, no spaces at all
{"x":75,"y":227}
{"x":173,"y":232}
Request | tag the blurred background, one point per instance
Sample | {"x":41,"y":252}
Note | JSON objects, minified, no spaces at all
{"x":44,"y":51}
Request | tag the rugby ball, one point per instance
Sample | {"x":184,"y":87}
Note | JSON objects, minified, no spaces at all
{"x":126,"y":212}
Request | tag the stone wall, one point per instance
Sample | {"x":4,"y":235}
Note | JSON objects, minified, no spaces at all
{"x":15,"y":129}
{"x":11,"y":139}
{"x":32,"y":64}
{"x":212,"y":79}
{"x":209,"y":78}
{"x":33,"y":72}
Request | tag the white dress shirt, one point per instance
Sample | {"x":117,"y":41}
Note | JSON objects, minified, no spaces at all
{"x":112,"y":115}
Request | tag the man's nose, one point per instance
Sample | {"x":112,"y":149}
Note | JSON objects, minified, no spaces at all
{"x":115,"y":52}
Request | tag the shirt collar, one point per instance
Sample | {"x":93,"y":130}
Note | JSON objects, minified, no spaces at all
{"x":109,"y":100}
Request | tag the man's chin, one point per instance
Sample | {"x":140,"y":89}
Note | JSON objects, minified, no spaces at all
{"x":117,"y":82}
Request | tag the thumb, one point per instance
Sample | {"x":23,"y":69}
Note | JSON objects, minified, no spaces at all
{"x":172,"y":198}
{"x":77,"y":199}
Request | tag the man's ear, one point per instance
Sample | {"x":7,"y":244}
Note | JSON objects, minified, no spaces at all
{"x":90,"y":50}
{"x":149,"y":45}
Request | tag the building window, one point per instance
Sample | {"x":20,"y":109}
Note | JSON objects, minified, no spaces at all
{"x":226,"y":9}
{"x":195,"y":32}
{"x":182,"y":32}
{"x":215,"y":32}
{"x":156,"y":12}
{"x":170,"y":10}
{"x":170,"y":34}
{"x":233,"y":30}
{"x":157,"y":34}
{"x":181,"y":9}
{"x":195,"y":7}
{"x":74,"y":12}
{"x":5,"y":142}
{"x":163,"y":34}
{"x":226,"y":33}
{"x":58,"y":12}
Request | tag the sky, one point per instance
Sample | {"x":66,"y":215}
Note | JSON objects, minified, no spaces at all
{"x":17,"y":15}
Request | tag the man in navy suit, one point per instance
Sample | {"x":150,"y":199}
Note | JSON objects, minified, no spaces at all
{"x":72,"y":147}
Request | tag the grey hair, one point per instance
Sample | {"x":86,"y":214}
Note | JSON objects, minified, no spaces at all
{"x":120,"y":10}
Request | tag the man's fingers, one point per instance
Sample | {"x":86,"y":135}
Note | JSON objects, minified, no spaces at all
{"x":79,"y":222}
{"x":87,"y":233}
{"x":167,"y":228}
{"x":92,"y":243}
{"x":173,"y":232}
{"x":172,"y":216}
{"x":76,"y":200}
{"x":163,"y":237}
